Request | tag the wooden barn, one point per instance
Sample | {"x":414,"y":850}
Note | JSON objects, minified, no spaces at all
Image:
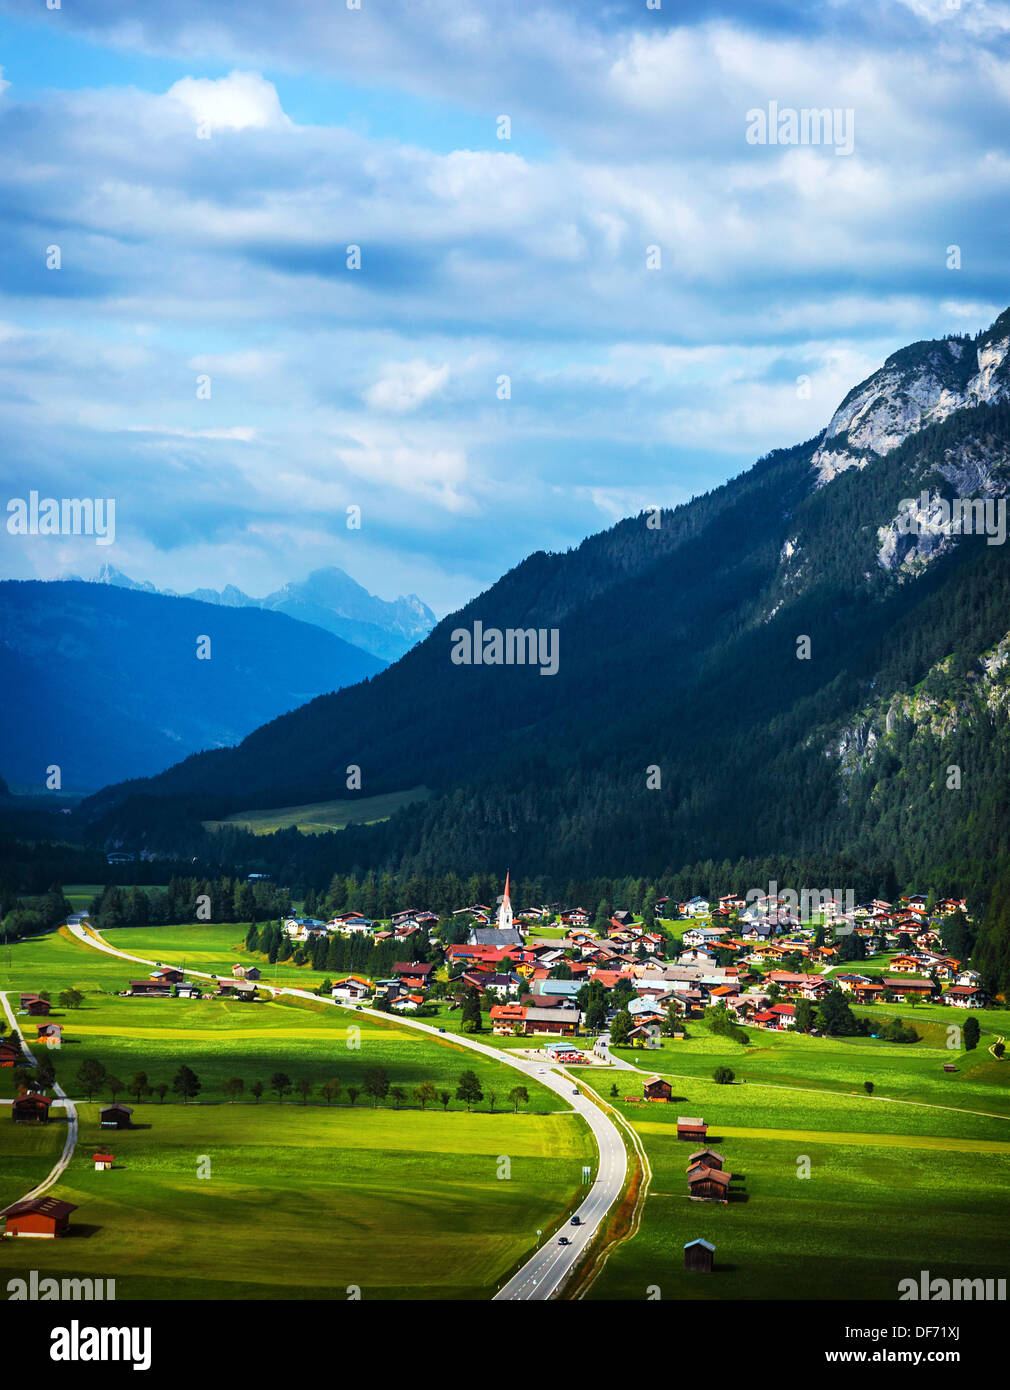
{"x":37,"y":1008}
{"x":10,"y":1054}
{"x":103,"y":1161}
{"x":168,"y":974}
{"x":708,"y":1157}
{"x":698,"y":1256}
{"x":50,"y":1030}
{"x":657,"y":1089}
{"x":31,"y":1109}
{"x":709,"y":1184}
{"x":116,"y":1116}
{"x":694,"y":1129}
{"x":39,"y":1216}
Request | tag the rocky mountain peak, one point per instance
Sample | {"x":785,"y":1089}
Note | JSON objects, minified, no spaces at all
{"x":917,"y":386}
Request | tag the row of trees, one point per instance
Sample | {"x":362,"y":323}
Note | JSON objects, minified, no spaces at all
{"x":29,"y":918}
{"x":355,"y":952}
{"x":94,"y":1079}
{"x":224,"y":899}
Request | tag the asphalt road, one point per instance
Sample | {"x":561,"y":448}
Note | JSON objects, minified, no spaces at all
{"x":546,"y":1270}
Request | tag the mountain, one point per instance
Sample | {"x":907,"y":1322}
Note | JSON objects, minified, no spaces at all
{"x":806,"y":674}
{"x":104,"y":678}
{"x":330,"y":599}
{"x":917,"y":386}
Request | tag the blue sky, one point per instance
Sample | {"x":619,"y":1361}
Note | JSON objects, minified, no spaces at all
{"x":185,"y":257}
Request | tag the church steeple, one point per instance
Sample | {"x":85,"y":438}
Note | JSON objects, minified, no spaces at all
{"x":505,"y":911}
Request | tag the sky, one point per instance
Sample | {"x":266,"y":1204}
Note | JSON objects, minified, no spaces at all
{"x":622,"y":304}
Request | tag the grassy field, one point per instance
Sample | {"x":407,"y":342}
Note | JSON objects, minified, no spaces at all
{"x":27,"y":1152}
{"x":283,"y":1199}
{"x":81,"y":895}
{"x":321,"y":816}
{"x":915,"y":1177}
{"x":211,"y":947}
{"x":270,"y":1202}
{"x":308,"y":1200}
{"x":221,"y":1038}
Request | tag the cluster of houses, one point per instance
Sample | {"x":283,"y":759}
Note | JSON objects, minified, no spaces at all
{"x":730,"y":958}
{"x":167,"y":980}
{"x":732,"y":952}
{"x":707,"y":1178}
{"x":402,"y":927}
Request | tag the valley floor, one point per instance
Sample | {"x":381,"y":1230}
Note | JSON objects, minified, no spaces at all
{"x":281,"y":1200}
{"x":837,"y":1194}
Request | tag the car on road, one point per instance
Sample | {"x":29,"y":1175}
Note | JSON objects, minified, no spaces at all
{"x":575,"y":1221}
{"x":441,"y":1030}
{"x":564,"y":1241}
{"x":575,"y":1090}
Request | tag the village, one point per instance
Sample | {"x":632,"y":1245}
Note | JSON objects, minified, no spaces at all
{"x":750,"y":955}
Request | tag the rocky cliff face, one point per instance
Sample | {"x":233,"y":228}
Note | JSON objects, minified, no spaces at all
{"x":918,"y":386}
{"x":941,"y":702}
{"x":976,"y":477}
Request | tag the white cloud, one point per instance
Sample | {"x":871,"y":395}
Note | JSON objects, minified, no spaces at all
{"x":403,"y":386}
{"x":433,"y":473}
{"x":240,"y":101}
{"x":244,"y":434}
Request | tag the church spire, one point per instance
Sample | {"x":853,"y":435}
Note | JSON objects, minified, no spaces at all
{"x":505,"y":911}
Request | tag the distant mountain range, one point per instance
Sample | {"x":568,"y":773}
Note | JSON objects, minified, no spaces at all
{"x":102,"y":681}
{"x":329,"y":598}
{"x":780,"y":667}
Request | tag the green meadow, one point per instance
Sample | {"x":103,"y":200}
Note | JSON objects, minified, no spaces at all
{"x":282,"y":1199}
{"x":221,"y":1038}
{"x":27,"y":1152}
{"x":322,"y":816}
{"x":288,"y":1202}
{"x":839,"y":1194}
{"x":211,"y":947}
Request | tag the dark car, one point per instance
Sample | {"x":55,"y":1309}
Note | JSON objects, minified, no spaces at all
{"x":564,"y":1241}
{"x":575,"y":1221}
{"x":441,"y":1030}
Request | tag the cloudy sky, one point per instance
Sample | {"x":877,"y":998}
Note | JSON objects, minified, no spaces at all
{"x":652,"y":284}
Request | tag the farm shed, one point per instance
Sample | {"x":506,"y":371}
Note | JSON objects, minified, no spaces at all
{"x":31,"y":1109}
{"x":39,"y":1216}
{"x":708,"y":1184}
{"x":698,"y":1256}
{"x":116,"y":1116}
{"x":708,"y":1157}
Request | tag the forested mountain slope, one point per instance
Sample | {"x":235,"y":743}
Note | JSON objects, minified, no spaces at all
{"x":800,"y":669}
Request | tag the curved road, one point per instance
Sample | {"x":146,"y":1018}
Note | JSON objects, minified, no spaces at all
{"x":546,"y":1270}
{"x":63,"y":1099}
